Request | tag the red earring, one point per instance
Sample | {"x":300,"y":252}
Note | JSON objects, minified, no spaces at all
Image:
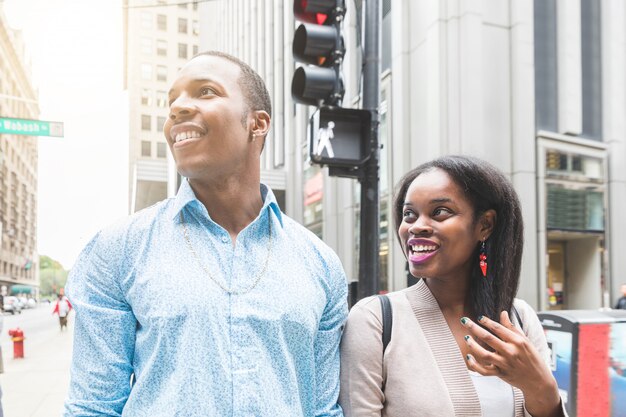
{"x":483,"y":259}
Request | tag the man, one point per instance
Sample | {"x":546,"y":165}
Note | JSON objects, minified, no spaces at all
{"x":62,"y":308}
{"x":621,"y":302}
{"x":213,"y":303}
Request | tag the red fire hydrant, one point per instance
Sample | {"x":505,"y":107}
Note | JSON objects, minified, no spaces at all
{"x":17,"y":336}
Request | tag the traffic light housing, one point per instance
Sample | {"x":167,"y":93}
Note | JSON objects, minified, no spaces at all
{"x":340,"y":137}
{"x":318,"y":43}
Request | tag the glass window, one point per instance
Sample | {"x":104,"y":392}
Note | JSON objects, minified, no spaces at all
{"x":591,"y":52}
{"x":161,"y":99}
{"x":182,"y":50}
{"x":195,"y":27}
{"x":313,"y":199}
{"x":146,"y":148}
{"x":195,"y":6}
{"x":182,"y":25}
{"x":546,"y":92}
{"x":146,"y":71}
{"x":195,"y":50}
{"x":161,"y":73}
{"x":146,"y":122}
{"x":161,"y":150}
{"x":182,"y":5}
{"x":160,"y":123}
{"x":146,"y":20}
{"x":161,"y":22}
{"x":146,"y":97}
{"x":146,"y":46}
{"x":574,"y":208}
{"x":161,"y":47}
{"x":573,"y":166}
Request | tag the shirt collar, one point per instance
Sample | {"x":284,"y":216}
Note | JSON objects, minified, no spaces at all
{"x":186,"y":196}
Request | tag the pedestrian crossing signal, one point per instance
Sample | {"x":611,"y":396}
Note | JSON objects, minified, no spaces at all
{"x":339,"y":137}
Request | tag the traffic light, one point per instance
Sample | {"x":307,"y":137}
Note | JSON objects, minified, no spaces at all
{"x":339,"y":137}
{"x":318,"y":43}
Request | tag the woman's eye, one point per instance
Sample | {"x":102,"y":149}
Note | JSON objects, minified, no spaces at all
{"x":440,"y":211}
{"x":407,"y":214}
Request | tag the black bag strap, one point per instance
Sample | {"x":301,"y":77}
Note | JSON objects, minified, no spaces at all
{"x":385,"y":306}
{"x":517,"y":316}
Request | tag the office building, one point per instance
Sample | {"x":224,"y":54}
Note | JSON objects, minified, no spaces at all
{"x":535,"y":87}
{"x":19,"y":261}
{"x":160,"y":36}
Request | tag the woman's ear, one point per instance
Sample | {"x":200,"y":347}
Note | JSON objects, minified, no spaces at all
{"x":487,"y":223}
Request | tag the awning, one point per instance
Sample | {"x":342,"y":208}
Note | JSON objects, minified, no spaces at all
{"x":21,"y":289}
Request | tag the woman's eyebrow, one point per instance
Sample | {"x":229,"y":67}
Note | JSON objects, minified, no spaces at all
{"x":439,"y":200}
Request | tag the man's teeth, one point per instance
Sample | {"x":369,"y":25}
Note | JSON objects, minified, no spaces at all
{"x":423,"y":248}
{"x":186,"y":135}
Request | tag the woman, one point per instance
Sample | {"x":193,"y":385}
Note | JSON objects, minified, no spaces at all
{"x":457,"y":347}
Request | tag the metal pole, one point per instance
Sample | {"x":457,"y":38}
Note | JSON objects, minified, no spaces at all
{"x":370,"y":206}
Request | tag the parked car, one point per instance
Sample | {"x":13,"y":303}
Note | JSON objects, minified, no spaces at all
{"x":12,"y":305}
{"x":23,"y":301}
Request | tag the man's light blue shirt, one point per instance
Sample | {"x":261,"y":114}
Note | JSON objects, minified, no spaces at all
{"x":146,"y":308}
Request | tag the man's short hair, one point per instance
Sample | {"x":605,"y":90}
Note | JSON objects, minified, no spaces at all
{"x":251,"y":83}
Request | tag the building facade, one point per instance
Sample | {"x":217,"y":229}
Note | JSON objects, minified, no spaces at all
{"x":19,"y":261}
{"x":535,"y":87}
{"x":160,"y":36}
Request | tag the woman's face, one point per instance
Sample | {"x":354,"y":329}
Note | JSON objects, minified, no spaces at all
{"x":438,"y":231}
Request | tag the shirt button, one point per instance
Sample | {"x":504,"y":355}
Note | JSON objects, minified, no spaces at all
{"x":224,"y":239}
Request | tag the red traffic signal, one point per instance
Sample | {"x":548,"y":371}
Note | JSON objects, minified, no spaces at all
{"x":318,"y":42}
{"x":313,"y":11}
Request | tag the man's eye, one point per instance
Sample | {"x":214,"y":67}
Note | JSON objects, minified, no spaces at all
{"x":205,"y":91}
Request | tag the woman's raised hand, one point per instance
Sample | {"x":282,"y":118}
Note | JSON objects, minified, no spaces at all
{"x":501,"y":349}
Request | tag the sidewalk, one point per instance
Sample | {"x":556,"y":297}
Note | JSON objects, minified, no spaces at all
{"x":36,"y":385}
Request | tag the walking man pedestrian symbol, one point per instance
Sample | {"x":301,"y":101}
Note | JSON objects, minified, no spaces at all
{"x":325,"y":134}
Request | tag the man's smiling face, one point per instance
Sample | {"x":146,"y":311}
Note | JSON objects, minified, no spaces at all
{"x":208,"y":126}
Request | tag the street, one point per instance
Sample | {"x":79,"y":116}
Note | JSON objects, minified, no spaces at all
{"x":36,"y":385}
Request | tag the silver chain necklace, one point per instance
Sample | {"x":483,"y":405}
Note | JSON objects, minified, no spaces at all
{"x":206,"y":271}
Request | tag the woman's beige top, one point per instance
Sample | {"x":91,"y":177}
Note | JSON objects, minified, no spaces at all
{"x":424,"y":369}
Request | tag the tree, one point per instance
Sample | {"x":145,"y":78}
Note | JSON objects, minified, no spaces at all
{"x":52,"y":276}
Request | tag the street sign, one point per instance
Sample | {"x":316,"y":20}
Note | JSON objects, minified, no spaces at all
{"x":339,"y":137}
{"x":29,"y":127}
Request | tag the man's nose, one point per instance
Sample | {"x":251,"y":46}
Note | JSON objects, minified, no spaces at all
{"x":182,"y":106}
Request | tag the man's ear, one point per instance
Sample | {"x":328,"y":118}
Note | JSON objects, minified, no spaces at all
{"x":261,"y":123}
{"x":487,"y":223}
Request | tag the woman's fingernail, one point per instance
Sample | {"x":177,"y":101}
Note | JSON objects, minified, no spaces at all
{"x":467,"y":338}
{"x":480,"y":318}
{"x":468,"y":357}
{"x":464,"y":320}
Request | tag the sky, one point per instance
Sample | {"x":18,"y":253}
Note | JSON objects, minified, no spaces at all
{"x":76,"y":51}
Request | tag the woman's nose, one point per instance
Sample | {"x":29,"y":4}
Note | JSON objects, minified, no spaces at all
{"x":420,"y":227}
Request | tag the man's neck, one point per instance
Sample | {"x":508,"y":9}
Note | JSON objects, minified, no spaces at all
{"x":232,"y":203}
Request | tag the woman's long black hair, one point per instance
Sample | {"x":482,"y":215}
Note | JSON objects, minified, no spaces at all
{"x":485,"y":187}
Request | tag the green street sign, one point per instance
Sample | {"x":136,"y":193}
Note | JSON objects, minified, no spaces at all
{"x":28,"y":127}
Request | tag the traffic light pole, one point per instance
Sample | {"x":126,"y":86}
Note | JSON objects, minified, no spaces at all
{"x":370,"y":206}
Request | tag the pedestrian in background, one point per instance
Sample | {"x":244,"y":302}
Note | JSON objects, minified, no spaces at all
{"x":621,"y":302}
{"x":214,"y":302}
{"x":457,"y":346}
{"x":62,"y":308}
